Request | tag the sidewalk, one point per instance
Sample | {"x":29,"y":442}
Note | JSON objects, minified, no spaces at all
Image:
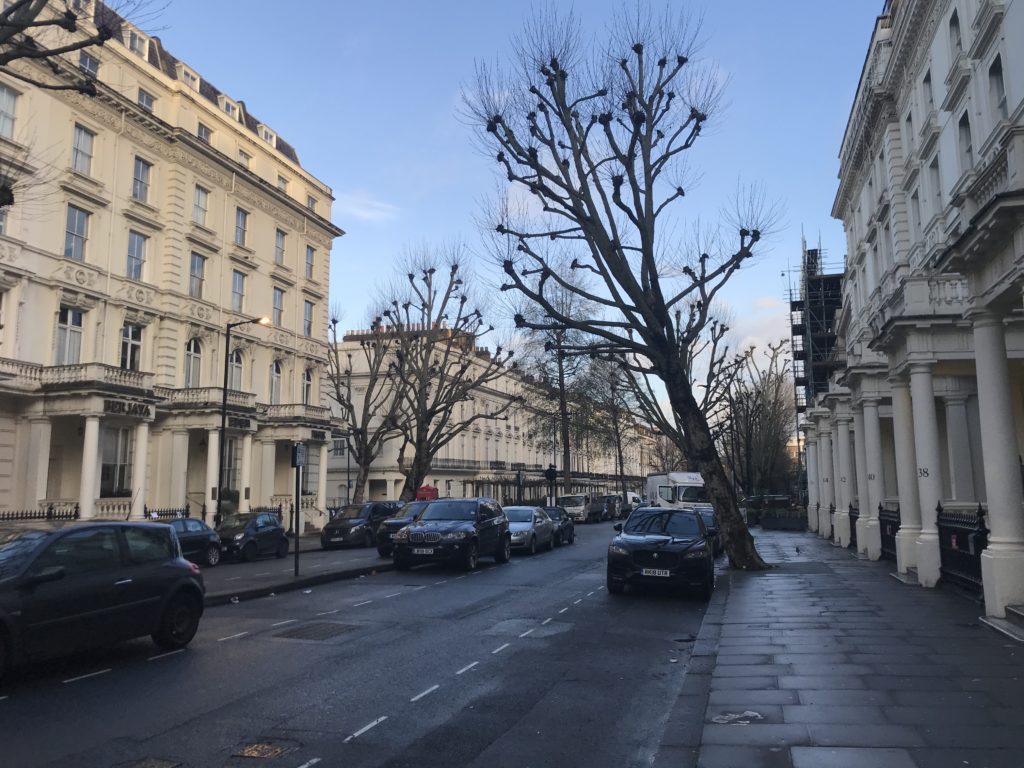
{"x":828,"y":662}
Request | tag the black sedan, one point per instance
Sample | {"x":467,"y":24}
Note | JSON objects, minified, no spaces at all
{"x":247,"y":536}
{"x":565,"y":530}
{"x":199,"y":542}
{"x":355,"y":525}
{"x":660,"y":546}
{"x":388,"y":528}
{"x":455,"y":531}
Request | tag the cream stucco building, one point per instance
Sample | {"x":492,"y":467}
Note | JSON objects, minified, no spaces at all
{"x":147,"y":218}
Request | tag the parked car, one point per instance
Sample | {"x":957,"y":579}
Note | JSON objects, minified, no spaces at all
{"x":613,"y":506}
{"x":388,"y":528}
{"x":530,"y":528}
{"x":565,"y":530}
{"x":247,"y":536}
{"x":199,"y":542}
{"x":714,"y":533}
{"x":455,"y":530}
{"x":632,"y":502}
{"x":93,"y":585}
{"x":660,"y":545}
{"x":601,"y":508}
{"x":576,"y":506}
{"x":355,"y":525}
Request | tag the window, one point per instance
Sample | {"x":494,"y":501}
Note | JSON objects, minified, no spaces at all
{"x":188,"y":77}
{"x":307,"y":387}
{"x":200,"y":205}
{"x":909,"y":125}
{"x":193,"y":362}
{"x":235,"y":371}
{"x":140,"y":180}
{"x":915,"y":214}
{"x":267,"y":135}
{"x":307,"y":318}
{"x":117,"y":447}
{"x":146,"y":100}
{"x":136,"y":255}
{"x":244,"y":158}
{"x":935,"y":183}
{"x":196,"y":276}
{"x":997,"y":89}
{"x":956,"y":43}
{"x":81,"y":150}
{"x":311,"y":203}
{"x":241,"y":225}
{"x":82,"y":552}
{"x":278,"y":306}
{"x":136,"y":43}
{"x":76,"y":233}
{"x":282,"y":183}
{"x":151,"y":544}
{"x":8,"y":101}
{"x":279,"y":243}
{"x":88,"y":63}
{"x":965,"y":143}
{"x":310,"y":257}
{"x":929,"y":95}
{"x":229,"y":107}
{"x":69,"y":337}
{"x":131,"y":347}
{"x":275,"y":382}
{"x":204,"y":133}
{"x":232,"y":461}
{"x":237,"y":291}
{"x":3,"y":220}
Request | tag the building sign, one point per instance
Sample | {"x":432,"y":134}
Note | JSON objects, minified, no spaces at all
{"x":238,"y":422}
{"x":319,"y":434}
{"x":126,"y":408}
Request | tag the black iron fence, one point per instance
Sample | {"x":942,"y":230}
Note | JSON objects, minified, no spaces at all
{"x":278,"y":510}
{"x":49,"y":512}
{"x":962,"y":538}
{"x":854,"y":516}
{"x":889,"y":526}
{"x":168,"y":513}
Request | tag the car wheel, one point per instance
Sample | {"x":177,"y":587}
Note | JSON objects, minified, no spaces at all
{"x":179,"y":623}
{"x":504,"y":553}
{"x":212,"y":555}
{"x":249,"y":552}
{"x":614,"y":587}
{"x":558,"y":540}
{"x":384,"y":551}
{"x":551,"y":542}
{"x":572,"y":536}
{"x":469,"y":560}
{"x":533,"y":545}
{"x":282,"y":548}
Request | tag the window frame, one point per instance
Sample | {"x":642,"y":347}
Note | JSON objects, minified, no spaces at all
{"x":204,"y":132}
{"x":84,"y":60}
{"x":131,"y":346}
{"x":276,"y":374}
{"x":307,"y":386}
{"x":237,"y":296}
{"x":241,"y":226}
{"x":196,"y":280}
{"x":136,"y":263}
{"x":277,"y":306}
{"x":235,"y":370}
{"x":74,"y":240}
{"x":308,"y":309}
{"x":141,"y":181}
{"x":310,"y":261}
{"x":69,"y":335}
{"x":8,"y":120}
{"x":120,"y":485}
{"x":146,"y":100}
{"x":200,"y":205}
{"x":82,"y":156}
{"x":280,"y":246}
{"x":193,"y":363}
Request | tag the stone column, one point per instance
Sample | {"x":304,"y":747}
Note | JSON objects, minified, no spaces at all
{"x":958,"y":445}
{"x":38,"y":461}
{"x":267,"y":472}
{"x":212,"y":464}
{"x":836,"y":473}
{"x":906,"y":476}
{"x":90,"y":467}
{"x":825,"y":473}
{"x":139,"y":467}
{"x":1002,"y":562}
{"x":244,"y":489}
{"x":811,"y":451}
{"x":179,"y":467}
{"x":875,"y":489}
{"x":929,"y":471}
{"x":863,"y":502}
{"x":844,"y":482}
{"x":321,"y":482}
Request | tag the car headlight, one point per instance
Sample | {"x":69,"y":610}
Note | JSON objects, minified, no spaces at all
{"x":616,"y":549}
{"x":695,"y":554}
{"x":454,"y":536}
{"x":402,"y":535}
{"x":357,"y":529}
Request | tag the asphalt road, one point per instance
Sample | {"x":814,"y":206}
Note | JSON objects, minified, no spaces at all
{"x":527,"y":664}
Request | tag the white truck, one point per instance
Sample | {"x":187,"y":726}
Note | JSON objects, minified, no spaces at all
{"x":681,"y":490}
{"x":575,"y":506}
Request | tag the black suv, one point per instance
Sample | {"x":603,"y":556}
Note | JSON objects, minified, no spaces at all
{"x":199,"y":542}
{"x":246,"y":536}
{"x":387,"y":529}
{"x":455,"y":530}
{"x":355,"y":525}
{"x":94,"y":584}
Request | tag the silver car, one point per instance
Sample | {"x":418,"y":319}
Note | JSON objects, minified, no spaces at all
{"x":530,"y":528}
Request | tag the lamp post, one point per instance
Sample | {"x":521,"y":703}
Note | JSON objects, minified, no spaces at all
{"x":224,"y":413}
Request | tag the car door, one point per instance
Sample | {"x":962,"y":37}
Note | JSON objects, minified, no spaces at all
{"x":147,"y":549}
{"x":544,"y":526}
{"x":199,"y":537}
{"x":487,"y":522}
{"x":187,"y":539}
{"x":266,"y":534}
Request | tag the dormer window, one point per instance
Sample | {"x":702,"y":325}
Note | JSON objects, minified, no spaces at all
{"x":230,"y":108}
{"x":267,"y":135}
{"x":136,"y":42}
{"x":188,"y":77}
{"x":88,"y":63}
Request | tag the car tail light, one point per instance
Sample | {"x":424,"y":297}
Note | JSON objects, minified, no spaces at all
{"x":194,"y":567}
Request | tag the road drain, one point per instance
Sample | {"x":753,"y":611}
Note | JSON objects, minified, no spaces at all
{"x":264,"y":750}
{"x":318,"y":630}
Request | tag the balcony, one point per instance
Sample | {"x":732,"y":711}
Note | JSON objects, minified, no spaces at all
{"x":30,"y":377}
{"x":294,"y":412}
{"x":206,"y":397}
{"x":956,"y":81}
{"x":922,"y":296}
{"x":928,"y":136}
{"x":986,"y":26}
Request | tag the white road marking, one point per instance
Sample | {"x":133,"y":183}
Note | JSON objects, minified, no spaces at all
{"x":427,"y":692}
{"x":599,"y":588}
{"x":421,"y":586}
{"x":393,"y":594}
{"x":499,"y":649}
{"x":165,"y":655}
{"x":327,"y":613}
{"x":83,"y":677}
{"x":231,"y":637}
{"x":264,"y":573}
{"x":442,"y":581}
{"x":577,"y":602}
{"x":311,"y":763}
{"x":365,"y":728}
{"x":564,"y":609}
{"x":545,"y":621}
{"x":3,"y":698}
{"x":527,"y":632}
{"x":282,"y":623}
{"x":461,"y":577}
{"x":365,"y":602}
{"x":467,"y":668}
{"x":476,"y":573}
{"x":589,"y":594}
{"x":236,"y":578}
{"x":318,"y":565}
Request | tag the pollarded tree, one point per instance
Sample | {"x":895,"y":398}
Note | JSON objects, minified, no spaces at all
{"x":598,"y":138}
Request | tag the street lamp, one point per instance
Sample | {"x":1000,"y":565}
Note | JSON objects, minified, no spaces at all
{"x":224,"y":414}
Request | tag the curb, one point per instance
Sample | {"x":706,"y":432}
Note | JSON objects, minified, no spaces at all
{"x":224,"y":598}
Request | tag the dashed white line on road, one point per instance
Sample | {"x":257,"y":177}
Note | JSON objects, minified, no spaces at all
{"x":393,"y":594}
{"x":598,"y":589}
{"x":442,"y":581}
{"x":365,"y":728}
{"x":527,"y":632}
{"x":467,"y":668}
{"x":577,"y":602}
{"x":165,"y":655}
{"x":462,"y":576}
{"x":427,"y":692}
{"x":231,"y":637}
{"x":318,"y":565}
{"x":500,"y":648}
{"x":83,"y":677}
{"x":327,"y":613}
{"x":546,"y":621}
{"x":3,"y":698}
{"x":589,"y":594}
{"x":476,"y":573}
{"x":282,"y":623}
{"x":311,"y":763}
{"x":236,"y":578}
{"x":421,"y":586}
{"x":564,"y":609}
{"x":365,"y":602}
{"x":263,"y":573}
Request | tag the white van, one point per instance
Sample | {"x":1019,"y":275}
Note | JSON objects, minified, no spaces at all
{"x":682,"y":490}
{"x":575,"y":506}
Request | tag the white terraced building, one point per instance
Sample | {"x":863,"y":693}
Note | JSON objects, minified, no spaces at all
{"x":925,"y":416}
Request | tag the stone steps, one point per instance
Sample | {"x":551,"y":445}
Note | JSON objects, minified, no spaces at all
{"x":1012,"y":626}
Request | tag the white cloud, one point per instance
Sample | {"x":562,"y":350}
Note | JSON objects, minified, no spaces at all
{"x":359,"y":204}
{"x":767,"y":302}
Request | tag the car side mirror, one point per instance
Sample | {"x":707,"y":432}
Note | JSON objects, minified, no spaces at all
{"x":618,"y":527}
{"x":53,"y":573}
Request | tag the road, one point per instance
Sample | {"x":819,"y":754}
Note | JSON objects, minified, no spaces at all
{"x":527,"y":664}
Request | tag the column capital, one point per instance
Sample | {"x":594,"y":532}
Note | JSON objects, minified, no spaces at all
{"x":920,"y":367}
{"x":842,"y":419}
{"x":870,"y":402}
{"x":983,"y":316}
{"x":898,"y":382}
{"x":958,"y":399}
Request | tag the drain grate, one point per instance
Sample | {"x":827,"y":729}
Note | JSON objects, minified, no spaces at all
{"x":318,"y":630}
{"x":264,"y":750}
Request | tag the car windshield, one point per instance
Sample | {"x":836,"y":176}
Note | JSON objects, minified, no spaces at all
{"x":411,"y":510}
{"x":691,"y":493}
{"x":450,"y":510}
{"x":353,"y":512}
{"x":570,"y":501}
{"x":666,"y":522}
{"x":15,"y":548}
{"x":519,"y":514}
{"x":235,"y":521}
{"x":554,"y":513}
{"x":709,"y":518}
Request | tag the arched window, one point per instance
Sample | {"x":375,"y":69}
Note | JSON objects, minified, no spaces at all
{"x":235,"y":371}
{"x":956,"y":44}
{"x":193,"y":362}
{"x":275,"y":382}
{"x":307,"y":387}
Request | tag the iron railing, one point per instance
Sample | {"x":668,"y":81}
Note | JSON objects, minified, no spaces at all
{"x":962,"y":538}
{"x":889,"y":526}
{"x":854,"y":516}
{"x":167,"y":513}
{"x":49,"y":512}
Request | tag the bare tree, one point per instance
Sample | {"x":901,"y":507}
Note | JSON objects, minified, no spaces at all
{"x":667,"y":455}
{"x":440,"y":366}
{"x":598,"y":139}
{"x":370,"y":412}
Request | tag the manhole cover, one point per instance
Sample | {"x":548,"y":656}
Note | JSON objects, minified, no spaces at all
{"x":319,"y":630}
{"x":263,"y":750}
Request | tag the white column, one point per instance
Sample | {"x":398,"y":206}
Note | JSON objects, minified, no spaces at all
{"x":267,"y":472}
{"x":244,"y":490}
{"x":321,"y":482}
{"x":875,"y":488}
{"x":845,"y":481}
{"x":38,"y":461}
{"x":836,"y":495}
{"x":139,"y":467}
{"x":863,"y":503}
{"x":811,"y":450}
{"x":825,"y":472}
{"x":212,"y":464}
{"x":929,"y":471}
{"x":179,"y":467}
{"x":906,"y":476}
{"x":1002,"y":562}
{"x":90,"y":467}
{"x":958,"y":444}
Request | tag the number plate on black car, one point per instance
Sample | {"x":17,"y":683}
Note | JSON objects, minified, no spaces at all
{"x":654,"y":572}
{"x":423,"y":551}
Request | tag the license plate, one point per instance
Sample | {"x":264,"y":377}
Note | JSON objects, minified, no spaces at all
{"x":338,"y":538}
{"x":654,"y":572}
{"x":423,"y":551}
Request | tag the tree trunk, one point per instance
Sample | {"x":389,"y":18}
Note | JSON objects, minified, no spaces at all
{"x":622,"y":466}
{"x":358,"y":490}
{"x":563,"y":413}
{"x":415,"y":477}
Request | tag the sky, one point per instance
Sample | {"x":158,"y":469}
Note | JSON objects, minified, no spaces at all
{"x":369,"y":93}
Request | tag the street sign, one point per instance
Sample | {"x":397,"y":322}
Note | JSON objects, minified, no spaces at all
{"x":299,"y":455}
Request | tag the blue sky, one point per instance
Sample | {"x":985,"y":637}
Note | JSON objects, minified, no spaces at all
{"x":368,"y":93}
